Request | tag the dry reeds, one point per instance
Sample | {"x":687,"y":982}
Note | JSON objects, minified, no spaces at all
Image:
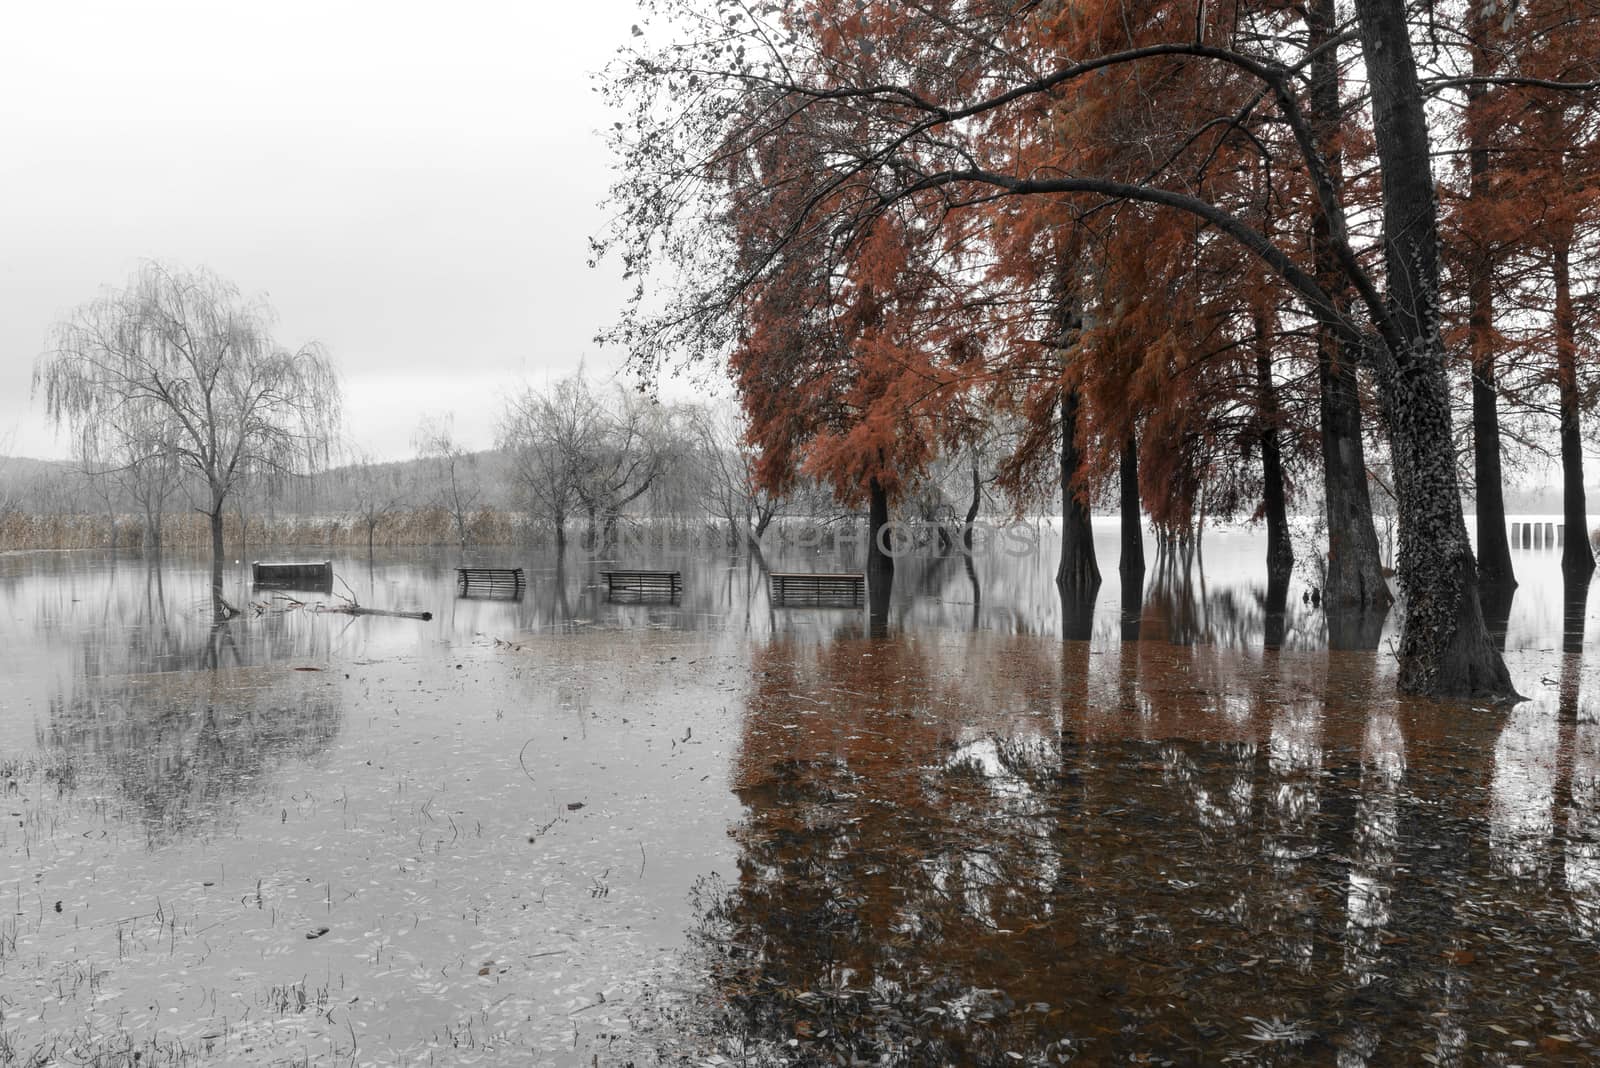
{"x":192,"y":530}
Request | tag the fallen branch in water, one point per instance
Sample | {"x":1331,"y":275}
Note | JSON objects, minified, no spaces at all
{"x":357,"y":610}
{"x":349,"y":608}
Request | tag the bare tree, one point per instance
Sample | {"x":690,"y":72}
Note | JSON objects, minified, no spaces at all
{"x":623,"y":452}
{"x":544,"y":435}
{"x":374,"y":494}
{"x":180,"y":362}
{"x":458,"y":489}
{"x":576,"y":451}
{"x":725,"y":472}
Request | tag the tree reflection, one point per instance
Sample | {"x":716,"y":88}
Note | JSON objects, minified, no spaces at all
{"x":1574,"y":605}
{"x":955,"y":850}
{"x":1132,"y":603}
{"x":1077,"y":612}
{"x":1355,"y":628}
{"x":178,"y":750}
{"x":1496,"y":599}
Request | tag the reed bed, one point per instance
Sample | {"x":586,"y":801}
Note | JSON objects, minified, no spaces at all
{"x":192,"y":530}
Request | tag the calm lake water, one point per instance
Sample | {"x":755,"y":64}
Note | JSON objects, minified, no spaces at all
{"x":1172,"y":827}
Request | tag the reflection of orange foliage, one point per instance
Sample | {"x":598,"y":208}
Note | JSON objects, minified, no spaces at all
{"x":1107,"y":845}
{"x":885,"y":709}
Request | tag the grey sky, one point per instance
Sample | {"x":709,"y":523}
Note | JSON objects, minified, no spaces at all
{"x":412,"y":185}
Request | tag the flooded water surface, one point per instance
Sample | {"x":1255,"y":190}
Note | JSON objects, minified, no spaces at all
{"x":1183,"y":824}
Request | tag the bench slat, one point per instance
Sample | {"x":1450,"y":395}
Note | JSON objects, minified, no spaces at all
{"x":794,"y":587}
{"x":497,"y":580}
{"x":640,"y":582}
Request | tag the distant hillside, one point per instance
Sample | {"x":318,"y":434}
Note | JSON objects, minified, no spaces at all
{"x":25,"y":469}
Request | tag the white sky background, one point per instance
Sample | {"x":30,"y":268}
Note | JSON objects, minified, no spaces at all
{"x":412,"y":185}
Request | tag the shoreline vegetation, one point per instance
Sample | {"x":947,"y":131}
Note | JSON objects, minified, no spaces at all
{"x":425,"y":527}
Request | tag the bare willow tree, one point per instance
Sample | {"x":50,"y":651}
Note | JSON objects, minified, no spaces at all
{"x":725,"y":472}
{"x":179,"y":364}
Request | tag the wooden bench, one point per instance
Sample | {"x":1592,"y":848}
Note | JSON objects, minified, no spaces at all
{"x":489,"y":582}
{"x":796,"y":587}
{"x":303,"y":575}
{"x":643,"y":583}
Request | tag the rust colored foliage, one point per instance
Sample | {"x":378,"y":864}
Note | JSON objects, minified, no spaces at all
{"x":1075,"y":221}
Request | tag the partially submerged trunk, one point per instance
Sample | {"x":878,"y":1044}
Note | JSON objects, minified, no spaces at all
{"x":1577,"y":558}
{"x":1355,"y":566}
{"x":1280,"y":553}
{"x":1445,"y":649}
{"x":221,"y":610}
{"x":1495,"y":574}
{"x":1494,"y":546}
{"x":1131,"y":560}
{"x":1078,"y":575}
{"x":880,"y":564}
{"x":879,"y":561}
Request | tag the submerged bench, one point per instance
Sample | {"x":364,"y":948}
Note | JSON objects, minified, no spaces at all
{"x":489,"y":582}
{"x":797,"y":587}
{"x":301,"y":575}
{"x":642,"y":583}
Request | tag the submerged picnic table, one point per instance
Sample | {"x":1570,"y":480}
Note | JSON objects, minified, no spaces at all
{"x":806,"y":587}
{"x":640,"y":583}
{"x":489,"y":582}
{"x":301,"y":575}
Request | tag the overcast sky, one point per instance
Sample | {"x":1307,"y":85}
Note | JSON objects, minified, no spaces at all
{"x":412,"y":185}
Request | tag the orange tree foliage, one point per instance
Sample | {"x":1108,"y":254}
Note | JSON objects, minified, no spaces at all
{"x":1533,"y":221}
{"x":855,"y":370}
{"x":864,"y":114}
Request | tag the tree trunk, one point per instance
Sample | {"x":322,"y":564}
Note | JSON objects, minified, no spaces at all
{"x":1131,"y":561}
{"x":1445,"y":649}
{"x":220,"y":610}
{"x":1495,"y":573}
{"x":1494,"y":547}
{"x":1280,"y":553}
{"x":972,"y":511}
{"x":1577,"y":558}
{"x":1355,"y":567}
{"x":879,"y":562}
{"x":1078,"y":574}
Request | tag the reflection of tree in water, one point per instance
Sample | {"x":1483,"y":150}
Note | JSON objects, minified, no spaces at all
{"x":1179,"y":607}
{"x":1582,"y":851}
{"x":950,"y":854}
{"x":181,"y":749}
